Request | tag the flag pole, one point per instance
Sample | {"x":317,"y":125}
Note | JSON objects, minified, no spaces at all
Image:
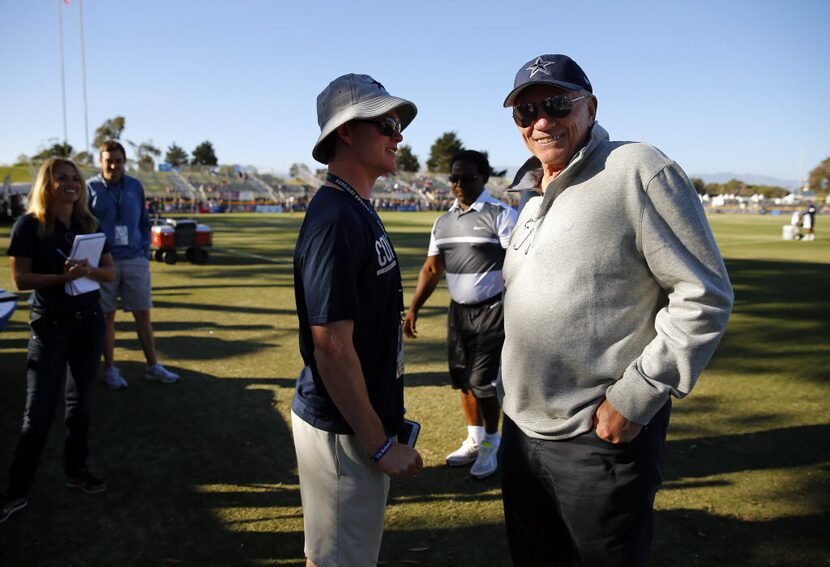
{"x":63,"y":73}
{"x":83,"y":73}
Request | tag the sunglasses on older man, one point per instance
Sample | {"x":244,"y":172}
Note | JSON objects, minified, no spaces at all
{"x":389,"y":127}
{"x":556,"y":106}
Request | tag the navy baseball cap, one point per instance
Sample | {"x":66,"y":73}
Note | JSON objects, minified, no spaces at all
{"x":557,"y":70}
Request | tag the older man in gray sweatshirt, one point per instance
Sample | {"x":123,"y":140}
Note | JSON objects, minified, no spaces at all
{"x":616,"y":297}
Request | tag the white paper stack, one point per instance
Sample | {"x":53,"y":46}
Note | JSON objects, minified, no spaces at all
{"x":86,"y":247}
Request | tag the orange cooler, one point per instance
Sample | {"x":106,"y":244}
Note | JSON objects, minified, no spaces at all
{"x":204,"y":236}
{"x":163,"y":237}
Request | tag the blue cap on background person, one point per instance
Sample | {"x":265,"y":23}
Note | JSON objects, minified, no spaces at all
{"x":557,"y":70}
{"x":355,"y":97}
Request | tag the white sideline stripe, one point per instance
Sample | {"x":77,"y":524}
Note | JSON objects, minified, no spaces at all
{"x":249,"y":255}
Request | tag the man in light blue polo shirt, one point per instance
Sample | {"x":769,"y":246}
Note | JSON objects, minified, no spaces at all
{"x":118,"y":202}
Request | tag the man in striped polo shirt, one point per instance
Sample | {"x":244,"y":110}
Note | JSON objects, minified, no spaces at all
{"x":468,"y":242}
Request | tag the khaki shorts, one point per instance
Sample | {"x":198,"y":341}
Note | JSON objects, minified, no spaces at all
{"x":131,"y":284}
{"x":343,"y":495}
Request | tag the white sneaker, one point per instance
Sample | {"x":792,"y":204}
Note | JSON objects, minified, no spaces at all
{"x":159,"y":373}
{"x":486,"y":462}
{"x":464,"y":455}
{"x":113,"y":379}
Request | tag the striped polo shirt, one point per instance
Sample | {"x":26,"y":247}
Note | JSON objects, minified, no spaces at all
{"x":472,"y":243}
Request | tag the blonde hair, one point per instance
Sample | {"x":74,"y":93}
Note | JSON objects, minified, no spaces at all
{"x":40,"y":205}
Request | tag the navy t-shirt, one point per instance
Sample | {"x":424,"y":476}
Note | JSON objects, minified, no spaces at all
{"x":345,"y":269}
{"x":47,"y":255}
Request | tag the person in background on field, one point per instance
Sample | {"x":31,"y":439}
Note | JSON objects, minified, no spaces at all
{"x":118,"y":201}
{"x":809,"y":222}
{"x":795,"y":222}
{"x":65,"y":329}
{"x":615,"y":299}
{"x":468,"y":242}
{"x":348,"y":407}
{"x":152,"y":209}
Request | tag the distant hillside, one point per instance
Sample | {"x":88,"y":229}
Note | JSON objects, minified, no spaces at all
{"x":748,"y":178}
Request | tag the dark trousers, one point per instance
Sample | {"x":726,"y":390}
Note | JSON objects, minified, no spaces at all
{"x":583,"y":501}
{"x":55,"y":342}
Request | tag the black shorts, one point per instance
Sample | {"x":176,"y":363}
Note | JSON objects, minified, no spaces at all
{"x":475,"y":335}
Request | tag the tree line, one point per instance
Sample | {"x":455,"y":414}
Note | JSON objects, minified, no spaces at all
{"x":738,"y":188}
{"x":146,"y":153}
{"x":440,"y":156}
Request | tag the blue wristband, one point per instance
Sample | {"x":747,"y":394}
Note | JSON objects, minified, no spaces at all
{"x":382,"y":451}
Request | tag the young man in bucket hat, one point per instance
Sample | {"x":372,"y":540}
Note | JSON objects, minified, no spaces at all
{"x":616,"y":297}
{"x":348,"y":406}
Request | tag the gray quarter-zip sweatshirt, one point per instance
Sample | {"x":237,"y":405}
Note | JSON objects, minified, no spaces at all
{"x":614,"y":287}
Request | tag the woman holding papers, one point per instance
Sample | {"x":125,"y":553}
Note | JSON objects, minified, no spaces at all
{"x":66,"y":329}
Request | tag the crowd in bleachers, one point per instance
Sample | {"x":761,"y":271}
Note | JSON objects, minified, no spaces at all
{"x":221,"y":190}
{"x":212,"y":192}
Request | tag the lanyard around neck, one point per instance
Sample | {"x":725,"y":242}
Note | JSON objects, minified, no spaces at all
{"x":344,"y":185}
{"x":117,"y":200}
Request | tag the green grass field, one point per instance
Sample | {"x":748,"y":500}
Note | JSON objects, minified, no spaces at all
{"x":203,"y":473}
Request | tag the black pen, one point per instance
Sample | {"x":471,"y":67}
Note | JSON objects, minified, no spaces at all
{"x":59,"y":251}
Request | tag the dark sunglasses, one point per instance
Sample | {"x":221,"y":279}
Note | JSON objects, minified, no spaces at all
{"x":389,"y":127}
{"x":463,"y":179}
{"x":556,"y":106}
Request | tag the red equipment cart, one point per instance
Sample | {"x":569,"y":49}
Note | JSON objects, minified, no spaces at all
{"x":169,"y":234}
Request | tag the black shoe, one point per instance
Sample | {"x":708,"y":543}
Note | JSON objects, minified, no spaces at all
{"x":87,"y":483}
{"x":9,"y":507}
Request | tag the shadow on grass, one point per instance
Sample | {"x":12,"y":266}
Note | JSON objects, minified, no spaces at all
{"x":190,"y":289}
{"x":691,"y":410}
{"x":787,"y":447}
{"x":683,"y":538}
{"x":220,"y":257}
{"x":442,"y":485}
{"x":780,"y":319}
{"x":187,"y":466}
{"x":255,"y":259}
{"x":276,"y":276}
{"x":203,"y":471}
{"x":482,"y":545}
{"x":187,"y":347}
{"x":417,"y":379}
{"x":208,"y":308}
{"x":184,"y":326}
{"x":692,"y":538}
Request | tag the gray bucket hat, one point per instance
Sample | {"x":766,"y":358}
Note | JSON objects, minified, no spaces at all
{"x":355,"y":97}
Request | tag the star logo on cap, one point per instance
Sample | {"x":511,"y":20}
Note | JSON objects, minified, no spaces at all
{"x":539,"y":66}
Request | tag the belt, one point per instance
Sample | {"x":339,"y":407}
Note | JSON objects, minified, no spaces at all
{"x":79,"y":315}
{"x":495,"y":299}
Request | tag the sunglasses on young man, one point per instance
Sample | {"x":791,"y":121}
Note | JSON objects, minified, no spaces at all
{"x":556,"y":106}
{"x":389,"y":127}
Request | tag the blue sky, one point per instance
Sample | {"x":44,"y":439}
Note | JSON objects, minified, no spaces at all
{"x":722,"y":85}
